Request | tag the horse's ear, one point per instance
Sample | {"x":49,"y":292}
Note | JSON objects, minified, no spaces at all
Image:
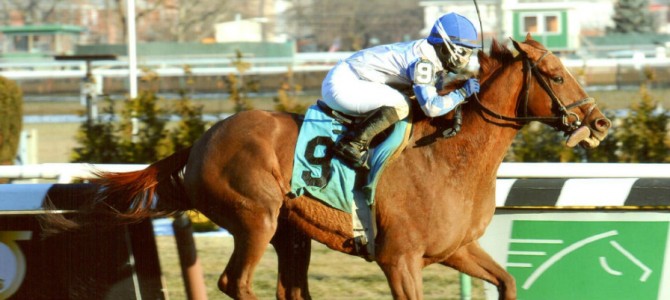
{"x":517,"y":46}
{"x":524,"y":47}
{"x":528,"y":37}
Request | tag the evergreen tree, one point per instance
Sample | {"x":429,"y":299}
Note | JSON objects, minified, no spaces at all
{"x":642,"y":136}
{"x":143,"y":115}
{"x":98,"y":141}
{"x":110,"y":141}
{"x":238,"y":87}
{"x":190,"y":126}
{"x":286,"y":96}
{"x":11,"y":120}
{"x":113,"y":141}
{"x":537,"y":142}
{"x":632,"y":16}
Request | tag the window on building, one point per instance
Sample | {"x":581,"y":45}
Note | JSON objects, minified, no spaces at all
{"x":551,"y":24}
{"x":541,"y":23}
{"x":530,"y":24}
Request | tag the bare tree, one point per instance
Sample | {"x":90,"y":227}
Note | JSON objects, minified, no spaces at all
{"x":196,"y":18}
{"x":149,"y":8}
{"x":352,"y":24}
{"x":32,"y":11}
{"x":178,"y":20}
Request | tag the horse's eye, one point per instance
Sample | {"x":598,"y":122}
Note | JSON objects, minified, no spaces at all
{"x":558,"y":79}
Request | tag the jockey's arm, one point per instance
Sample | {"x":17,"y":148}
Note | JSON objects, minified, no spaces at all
{"x":432,"y":104}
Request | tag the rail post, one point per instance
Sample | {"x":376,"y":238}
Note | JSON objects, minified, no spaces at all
{"x":466,"y":287}
{"x":191,"y":270}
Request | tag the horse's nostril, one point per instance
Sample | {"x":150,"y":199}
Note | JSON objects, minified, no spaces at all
{"x":602,"y":124}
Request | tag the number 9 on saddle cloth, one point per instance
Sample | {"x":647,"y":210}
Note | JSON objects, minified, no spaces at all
{"x":323,"y":176}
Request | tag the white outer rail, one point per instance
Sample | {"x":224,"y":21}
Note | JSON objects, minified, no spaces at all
{"x":301,"y":62}
{"x":63,"y":172}
{"x":583,"y":170}
{"x":66,"y":172}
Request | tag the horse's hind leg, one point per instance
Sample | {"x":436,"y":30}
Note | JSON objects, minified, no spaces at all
{"x":474,"y":261}
{"x":293,"y":253}
{"x":252,"y":236}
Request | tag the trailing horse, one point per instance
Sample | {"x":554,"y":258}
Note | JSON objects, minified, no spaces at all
{"x":238,"y":174}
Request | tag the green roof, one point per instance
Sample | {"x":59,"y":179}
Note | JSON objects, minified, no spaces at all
{"x":257,"y":49}
{"x":41,"y":29}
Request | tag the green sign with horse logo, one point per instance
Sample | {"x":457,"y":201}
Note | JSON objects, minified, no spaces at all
{"x":587,"y":260}
{"x":558,"y":256}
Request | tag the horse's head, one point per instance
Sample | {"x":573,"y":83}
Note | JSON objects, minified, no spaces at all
{"x":546,"y":92}
{"x":553,"y":96}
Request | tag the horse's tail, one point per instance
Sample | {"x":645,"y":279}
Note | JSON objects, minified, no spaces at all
{"x":130,"y":197}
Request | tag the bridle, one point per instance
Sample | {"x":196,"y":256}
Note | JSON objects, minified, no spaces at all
{"x":564,"y":116}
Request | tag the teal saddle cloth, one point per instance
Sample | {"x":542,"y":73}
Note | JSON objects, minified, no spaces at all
{"x":321,"y":175}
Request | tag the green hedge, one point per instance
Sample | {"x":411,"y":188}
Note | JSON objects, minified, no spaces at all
{"x":11,"y":115}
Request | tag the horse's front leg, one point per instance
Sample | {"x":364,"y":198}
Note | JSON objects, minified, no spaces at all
{"x":293,"y":254}
{"x":403,"y":272}
{"x":474,"y":261}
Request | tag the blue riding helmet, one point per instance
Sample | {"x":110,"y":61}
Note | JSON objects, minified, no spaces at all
{"x":459,"y":29}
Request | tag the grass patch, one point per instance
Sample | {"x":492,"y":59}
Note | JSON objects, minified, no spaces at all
{"x":332,"y":275}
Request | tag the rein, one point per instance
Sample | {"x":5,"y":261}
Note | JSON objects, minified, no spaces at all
{"x":564,"y":110}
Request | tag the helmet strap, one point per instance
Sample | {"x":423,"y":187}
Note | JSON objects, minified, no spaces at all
{"x":445,"y":37}
{"x":453,"y":61}
{"x":443,"y":56}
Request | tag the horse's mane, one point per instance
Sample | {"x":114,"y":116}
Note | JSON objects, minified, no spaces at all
{"x":499,"y":56}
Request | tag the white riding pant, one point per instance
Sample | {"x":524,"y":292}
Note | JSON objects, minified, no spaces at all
{"x":343,"y":90}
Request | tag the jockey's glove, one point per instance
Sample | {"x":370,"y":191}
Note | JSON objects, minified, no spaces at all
{"x":470,"y":87}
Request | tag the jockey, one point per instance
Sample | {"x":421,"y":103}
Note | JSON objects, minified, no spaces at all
{"x":377,"y":82}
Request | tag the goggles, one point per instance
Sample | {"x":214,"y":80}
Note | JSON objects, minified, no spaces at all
{"x":459,"y":56}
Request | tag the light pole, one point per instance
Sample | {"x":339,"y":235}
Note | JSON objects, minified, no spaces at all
{"x":132,"y":47}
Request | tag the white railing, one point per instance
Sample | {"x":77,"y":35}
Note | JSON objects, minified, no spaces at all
{"x":583,"y":170}
{"x":63,"y":172}
{"x":301,"y":62}
{"x":66,"y":172}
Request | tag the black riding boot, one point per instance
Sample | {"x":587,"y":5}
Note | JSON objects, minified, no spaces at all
{"x":353,"y":147}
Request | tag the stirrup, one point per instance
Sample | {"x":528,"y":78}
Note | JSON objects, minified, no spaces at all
{"x":350,"y":154}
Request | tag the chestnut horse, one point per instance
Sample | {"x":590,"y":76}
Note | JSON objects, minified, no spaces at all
{"x":433,"y":201}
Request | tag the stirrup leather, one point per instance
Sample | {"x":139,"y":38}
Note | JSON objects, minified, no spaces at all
{"x":353,"y":152}
{"x":353,"y":147}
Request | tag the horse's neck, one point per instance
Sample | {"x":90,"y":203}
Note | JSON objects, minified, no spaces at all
{"x":484,"y":140}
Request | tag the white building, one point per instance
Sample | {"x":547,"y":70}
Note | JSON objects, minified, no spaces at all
{"x":559,"y":24}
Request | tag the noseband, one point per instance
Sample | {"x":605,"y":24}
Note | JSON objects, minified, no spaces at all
{"x":564,"y":115}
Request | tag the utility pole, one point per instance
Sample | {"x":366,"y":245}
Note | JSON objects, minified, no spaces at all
{"x":132,"y":65}
{"x":132,"y":47}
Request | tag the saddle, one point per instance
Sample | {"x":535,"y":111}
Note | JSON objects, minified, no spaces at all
{"x":341,"y":117}
{"x":349,"y":122}
{"x":321,"y":175}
